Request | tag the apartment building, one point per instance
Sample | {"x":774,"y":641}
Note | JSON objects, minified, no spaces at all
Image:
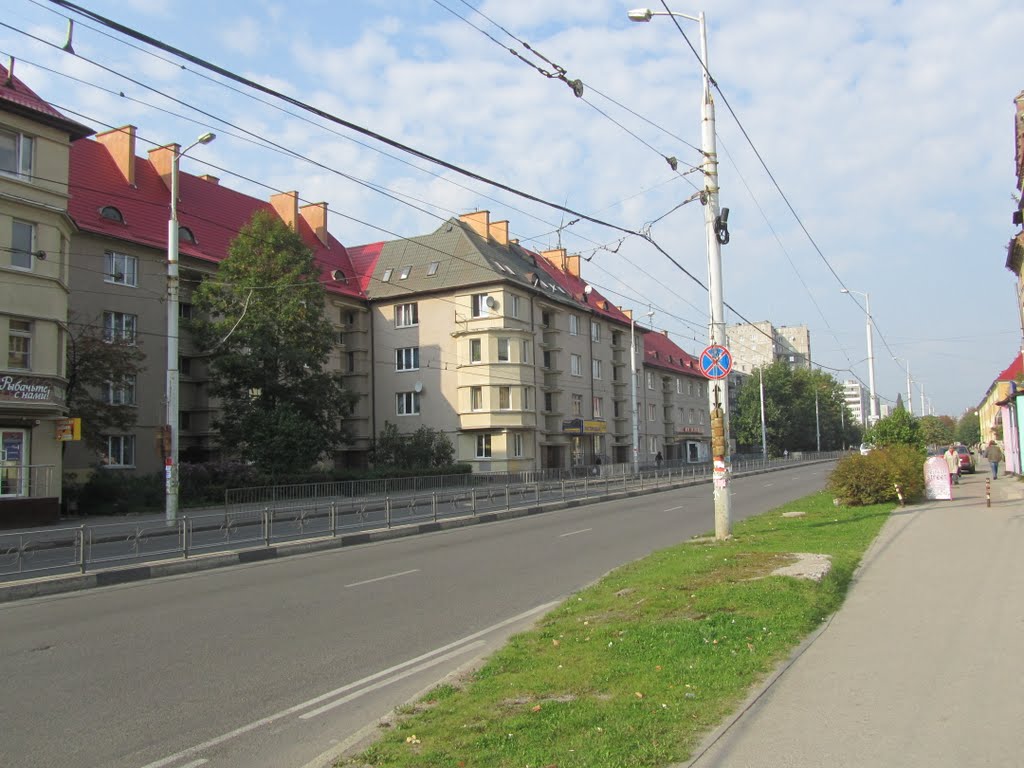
{"x":675,"y":416}
{"x":856,"y":398}
{"x":35,"y":231}
{"x":118,"y":279}
{"x":755,"y":345}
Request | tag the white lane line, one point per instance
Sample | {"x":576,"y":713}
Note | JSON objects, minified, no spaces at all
{"x":196,"y":763}
{"x":382,"y":578}
{"x":573,"y":533}
{"x":331,"y":694}
{"x":768,"y":485}
{"x":419,"y":668}
{"x":672,"y":509}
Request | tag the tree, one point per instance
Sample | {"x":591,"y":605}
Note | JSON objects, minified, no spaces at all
{"x":424,"y":448}
{"x":101,"y":382}
{"x":899,"y":428}
{"x":968,"y":431}
{"x":790,"y":417}
{"x":262,"y":320}
{"x":935,"y":431}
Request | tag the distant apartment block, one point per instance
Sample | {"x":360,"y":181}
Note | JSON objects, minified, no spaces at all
{"x":856,"y":398}
{"x":756,"y":345}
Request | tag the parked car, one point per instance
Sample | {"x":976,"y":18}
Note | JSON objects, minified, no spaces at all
{"x":966,"y":459}
{"x":866,"y":448}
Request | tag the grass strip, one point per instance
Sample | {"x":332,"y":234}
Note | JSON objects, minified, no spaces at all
{"x":634,"y":670}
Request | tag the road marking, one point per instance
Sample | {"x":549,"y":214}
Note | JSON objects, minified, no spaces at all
{"x":188,"y":752}
{"x":196,"y":763}
{"x":573,"y":533}
{"x":768,"y":485}
{"x":382,"y":578}
{"x":388,"y":681}
{"x":672,"y":509}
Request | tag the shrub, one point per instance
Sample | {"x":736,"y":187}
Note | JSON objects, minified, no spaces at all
{"x":872,"y":479}
{"x":114,"y":492}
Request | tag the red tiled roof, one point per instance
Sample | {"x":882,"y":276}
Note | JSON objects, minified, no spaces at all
{"x":574,"y":287}
{"x":364,"y":261}
{"x":18,"y":97}
{"x":1015,"y":369}
{"x":212,"y":212}
{"x":661,"y":352}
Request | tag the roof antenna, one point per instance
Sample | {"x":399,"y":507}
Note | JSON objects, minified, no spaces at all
{"x":561,"y":224}
{"x":67,"y":47}
{"x":9,"y":82}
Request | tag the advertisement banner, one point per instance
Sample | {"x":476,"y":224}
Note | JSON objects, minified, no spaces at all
{"x":937,"y":483}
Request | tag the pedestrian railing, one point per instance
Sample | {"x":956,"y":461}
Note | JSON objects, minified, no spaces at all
{"x":310,"y":512}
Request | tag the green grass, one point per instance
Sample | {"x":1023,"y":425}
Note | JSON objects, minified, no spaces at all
{"x":634,"y":670}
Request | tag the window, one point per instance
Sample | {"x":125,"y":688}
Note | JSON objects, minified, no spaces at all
{"x":407,"y":315}
{"x":689,"y":388}
{"x":595,"y":331}
{"x":650,"y":380}
{"x":185,"y":421}
{"x":480,"y":305}
{"x":526,"y":353}
{"x":120,"y":451}
{"x":407,"y":359}
{"x":652,"y":411}
{"x":679,"y":386}
{"x":475,"y":351}
{"x":432,"y":268}
{"x":476,"y":398}
{"x":545,"y":320}
{"x":185,"y":366}
{"x":574,"y":325}
{"x":186,"y":235}
{"x":23,"y":243}
{"x":185,"y":311}
{"x":339,"y":338}
{"x":16,"y":154}
{"x":404,"y":273}
{"x":120,"y":326}
{"x":549,"y":402}
{"x":112,"y":213}
{"x":504,"y":398}
{"x":121,"y":269}
{"x":517,"y":445}
{"x":616,"y":408}
{"x":503,"y":350}
{"x":577,"y":405}
{"x":652,"y":445}
{"x":19,"y":344}
{"x":351,"y":368}
{"x":547,"y":360}
{"x":616,"y":338}
{"x":595,"y":368}
{"x":700,"y":417}
{"x":483,"y":446}
{"x":122,"y":393}
{"x":350,"y":319}
{"x":387,"y":275}
{"x":692,"y":413}
{"x":598,"y":407}
{"x":515,"y":306}
{"x":575,"y":365}
{"x":407,"y":403}
{"x":597,"y":445}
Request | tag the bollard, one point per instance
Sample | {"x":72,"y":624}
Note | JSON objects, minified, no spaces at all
{"x":563,"y":490}
{"x":508,"y":499}
{"x":387,"y":511}
{"x":184,"y":536}
{"x":899,"y":494}
{"x":81,"y":551}
{"x":472,"y":496}
{"x":266,"y":526}
{"x":334,"y":518}
{"x":433,"y":505}
{"x":586,"y":487}
{"x":536,"y":493}
{"x":988,"y":493}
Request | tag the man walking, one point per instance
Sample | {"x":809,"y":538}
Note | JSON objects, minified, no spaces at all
{"x":994,"y":454}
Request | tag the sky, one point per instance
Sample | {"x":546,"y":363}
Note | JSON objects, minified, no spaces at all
{"x":888,"y":127}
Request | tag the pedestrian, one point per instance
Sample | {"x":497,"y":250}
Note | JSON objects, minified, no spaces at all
{"x":657,"y":459}
{"x":994,"y":454}
{"x":953,"y":462}
{"x":785,"y":454}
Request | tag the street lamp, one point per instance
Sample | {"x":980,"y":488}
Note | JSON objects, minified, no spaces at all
{"x":171,"y":466}
{"x":873,"y":405}
{"x":632,"y":383}
{"x":716,"y":234}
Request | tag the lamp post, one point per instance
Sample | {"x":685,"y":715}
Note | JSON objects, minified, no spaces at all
{"x":171,"y":466}
{"x":873,"y":404}
{"x":764,"y":430}
{"x":632,"y":389}
{"x":716,"y":234}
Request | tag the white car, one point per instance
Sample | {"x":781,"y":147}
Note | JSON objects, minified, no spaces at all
{"x":866,"y":448}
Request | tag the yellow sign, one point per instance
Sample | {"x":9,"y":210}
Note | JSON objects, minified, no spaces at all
{"x":594,"y":427}
{"x":69,"y":429}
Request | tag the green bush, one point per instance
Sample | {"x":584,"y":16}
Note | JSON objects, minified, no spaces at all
{"x":861,"y":480}
{"x":113,"y":492}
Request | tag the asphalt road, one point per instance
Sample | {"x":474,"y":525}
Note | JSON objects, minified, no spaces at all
{"x":274,"y":663}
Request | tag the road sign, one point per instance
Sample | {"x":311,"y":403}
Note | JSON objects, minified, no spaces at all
{"x":716,"y":362}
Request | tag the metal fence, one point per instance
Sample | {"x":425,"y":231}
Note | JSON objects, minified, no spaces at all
{"x":296,"y":513}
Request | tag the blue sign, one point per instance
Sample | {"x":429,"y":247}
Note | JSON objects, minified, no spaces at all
{"x":716,"y":362}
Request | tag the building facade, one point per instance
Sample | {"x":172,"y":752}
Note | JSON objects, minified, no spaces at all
{"x":756,"y":345}
{"x":35,"y":232}
{"x":856,"y":398}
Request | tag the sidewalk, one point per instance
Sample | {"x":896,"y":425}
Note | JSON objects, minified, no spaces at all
{"x":924,"y":663}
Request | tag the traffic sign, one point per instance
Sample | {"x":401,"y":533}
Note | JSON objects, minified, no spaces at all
{"x":716,"y":362}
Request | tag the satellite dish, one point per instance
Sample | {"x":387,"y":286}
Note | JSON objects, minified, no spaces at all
{"x":588,"y":289}
{"x":418,"y":386}
{"x":490,"y":302}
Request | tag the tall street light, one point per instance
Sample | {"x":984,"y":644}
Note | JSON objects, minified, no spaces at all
{"x":717,"y":234}
{"x":171,"y":467}
{"x":633,"y":386}
{"x":873,"y":405}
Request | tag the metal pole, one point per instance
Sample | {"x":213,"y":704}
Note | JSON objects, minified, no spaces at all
{"x":817,"y":421}
{"x":871,"y":361}
{"x":632,"y":389}
{"x":910,"y":395}
{"x":718,"y":396}
{"x":171,"y":468}
{"x":764,"y":430}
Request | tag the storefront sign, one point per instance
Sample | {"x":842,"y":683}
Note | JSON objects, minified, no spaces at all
{"x":689,"y":430}
{"x":69,"y":429}
{"x":594,"y":427}
{"x":28,"y":389}
{"x":573,"y":425}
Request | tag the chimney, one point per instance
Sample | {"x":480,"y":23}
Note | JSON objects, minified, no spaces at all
{"x":287,"y":206}
{"x":572,"y":265}
{"x":162,"y":160}
{"x":666,"y":334}
{"x":120,"y":145}
{"x":211,"y":179}
{"x":627,"y":312}
{"x":555,"y":257}
{"x":479,"y":221}
{"x":315,"y":215}
{"x":499,"y":232}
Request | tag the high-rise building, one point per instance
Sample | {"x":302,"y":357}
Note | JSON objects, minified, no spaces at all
{"x":857,"y":398}
{"x":756,"y":345}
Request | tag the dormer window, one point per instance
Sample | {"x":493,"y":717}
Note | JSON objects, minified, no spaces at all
{"x":185,"y":235}
{"x":404,"y":273}
{"x":387,"y":275}
{"x":112,"y":213}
